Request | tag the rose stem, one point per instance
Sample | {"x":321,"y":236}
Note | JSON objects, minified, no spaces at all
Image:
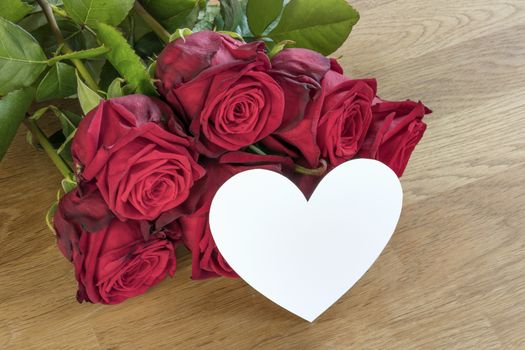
{"x":48,"y":12}
{"x":50,"y":150}
{"x":256,"y":150}
{"x":298,"y":169}
{"x":312,"y":172}
{"x":162,"y":33}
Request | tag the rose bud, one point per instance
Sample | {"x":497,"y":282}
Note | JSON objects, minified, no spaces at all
{"x":141,"y":168}
{"x":397,"y":128}
{"x":222,"y":88}
{"x":115,"y":262}
{"x":207,"y":261}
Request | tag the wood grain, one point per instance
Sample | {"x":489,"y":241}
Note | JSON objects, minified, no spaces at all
{"x":453,"y":276}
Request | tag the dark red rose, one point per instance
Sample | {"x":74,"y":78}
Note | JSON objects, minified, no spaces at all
{"x":299,"y":72}
{"x":345,"y":116}
{"x":396,"y":129}
{"x":206,"y":259}
{"x":327,"y":114}
{"x":115,"y":262}
{"x":85,"y":206}
{"x":141,"y":168}
{"x":222,"y":88}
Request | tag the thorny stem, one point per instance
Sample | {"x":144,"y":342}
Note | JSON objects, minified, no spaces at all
{"x":82,"y":70}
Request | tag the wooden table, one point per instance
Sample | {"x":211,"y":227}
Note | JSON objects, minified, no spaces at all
{"x":453,"y":275}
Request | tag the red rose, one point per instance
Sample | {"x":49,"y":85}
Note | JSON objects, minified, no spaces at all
{"x":222,"y":88}
{"x":140,"y":168}
{"x":86,"y":207}
{"x":327,"y":114}
{"x":115,"y":262}
{"x":299,"y":72}
{"x":396,"y":129}
{"x":206,"y":259}
{"x":345,"y":116}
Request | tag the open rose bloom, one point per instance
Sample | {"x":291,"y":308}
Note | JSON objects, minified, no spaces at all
{"x":147,"y":168}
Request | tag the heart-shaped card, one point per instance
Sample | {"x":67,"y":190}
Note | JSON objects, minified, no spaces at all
{"x":304,"y":255}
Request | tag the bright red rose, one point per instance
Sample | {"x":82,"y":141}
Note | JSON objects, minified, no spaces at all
{"x":141,"y":168}
{"x":299,"y":72}
{"x":345,"y":116}
{"x":116,"y":262}
{"x":206,"y":259}
{"x":223,"y":90}
{"x":396,"y":129}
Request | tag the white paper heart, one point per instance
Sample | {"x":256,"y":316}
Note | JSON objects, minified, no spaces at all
{"x":304,"y":255}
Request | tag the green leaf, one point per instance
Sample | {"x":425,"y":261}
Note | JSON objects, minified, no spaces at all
{"x":68,"y":120}
{"x":107,"y":75}
{"x":180,"y":33}
{"x":150,"y":45}
{"x":68,"y":184}
{"x":59,"y":82}
{"x":140,"y":27}
{"x":30,"y":138}
{"x":49,"y":216}
{"x":73,"y":33}
{"x":57,"y":10}
{"x":279,"y":47}
{"x":62,"y":138}
{"x":231,"y":12}
{"x":92,"y":11}
{"x":234,"y":35}
{"x":124,"y":59}
{"x":173,"y":14}
{"x":152,"y":68}
{"x":82,"y":54}
{"x":13,"y":108}
{"x":88,"y":98}
{"x":21,"y":58}
{"x":322,"y":26}
{"x":261,"y":13}
{"x":94,"y":67}
{"x":244,"y":29}
{"x":115,"y":88}
{"x":185,"y":19}
{"x":207,"y":18}
{"x":33,"y":21}
{"x":64,"y":150}
{"x":39,"y":113}
{"x":14,"y":10}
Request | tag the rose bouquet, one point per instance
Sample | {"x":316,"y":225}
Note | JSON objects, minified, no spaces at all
{"x":176,"y":98}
